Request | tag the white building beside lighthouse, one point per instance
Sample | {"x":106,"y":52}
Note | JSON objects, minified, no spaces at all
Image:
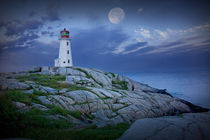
{"x":65,"y":57}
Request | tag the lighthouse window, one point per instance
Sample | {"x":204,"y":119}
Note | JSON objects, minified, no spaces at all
{"x":67,"y":51}
{"x":68,"y":61}
{"x":67,"y":43}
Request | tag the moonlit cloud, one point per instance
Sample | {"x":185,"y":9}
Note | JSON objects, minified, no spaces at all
{"x":143,"y":32}
{"x":139,"y":10}
{"x":163,"y":35}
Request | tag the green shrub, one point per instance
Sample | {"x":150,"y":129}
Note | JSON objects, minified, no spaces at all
{"x":19,"y":96}
{"x":58,"y":110}
{"x":89,"y":116}
{"x":45,"y":80}
{"x":123,"y":84}
{"x":7,"y":109}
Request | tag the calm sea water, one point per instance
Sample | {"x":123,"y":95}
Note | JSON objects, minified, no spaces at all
{"x":193,"y":87}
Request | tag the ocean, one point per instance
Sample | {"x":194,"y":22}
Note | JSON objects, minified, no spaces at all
{"x":193,"y":87}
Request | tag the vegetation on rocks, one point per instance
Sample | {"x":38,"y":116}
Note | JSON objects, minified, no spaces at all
{"x":89,"y":76}
{"x":44,"y":80}
{"x":79,"y":103}
{"x":36,"y":124}
{"x":120,"y":84}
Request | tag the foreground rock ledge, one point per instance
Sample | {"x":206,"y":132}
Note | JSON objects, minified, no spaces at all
{"x":191,"y":126}
{"x":101,"y":97}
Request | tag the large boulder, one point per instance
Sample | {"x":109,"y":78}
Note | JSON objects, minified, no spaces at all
{"x":105,"y":92}
{"x":188,"y":126}
{"x":12,"y":84}
{"x":82,"y":96}
{"x":99,"y":77}
{"x":71,"y":71}
{"x":78,"y":79}
{"x":44,"y":89}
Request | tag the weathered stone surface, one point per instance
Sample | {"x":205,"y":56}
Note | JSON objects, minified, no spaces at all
{"x":62,"y":101}
{"x":97,"y":91}
{"x":64,"y":90}
{"x":81,"y":96}
{"x":193,"y":126}
{"x":100,"y":115}
{"x":44,"y":100}
{"x":75,"y":79}
{"x":99,"y":77}
{"x":48,"y":90}
{"x":19,"y":105}
{"x":71,"y":71}
{"x":39,"y":106}
{"x":45,"y":70}
{"x":12,"y":84}
{"x":61,"y":71}
{"x":30,"y":91}
{"x":83,"y":108}
{"x":105,"y":92}
{"x":96,"y":105}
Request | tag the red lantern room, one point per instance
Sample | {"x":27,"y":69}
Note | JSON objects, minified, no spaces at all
{"x":64,"y":33}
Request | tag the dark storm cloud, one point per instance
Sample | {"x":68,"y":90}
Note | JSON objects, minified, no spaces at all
{"x":18,"y":27}
{"x":32,"y":13}
{"x":52,"y":11}
{"x":22,"y":41}
{"x":206,"y":41}
{"x":22,"y":33}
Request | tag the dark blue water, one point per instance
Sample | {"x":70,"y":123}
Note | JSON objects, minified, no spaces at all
{"x":193,"y":87}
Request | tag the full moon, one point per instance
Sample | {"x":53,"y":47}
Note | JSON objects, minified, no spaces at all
{"x":116,"y":15}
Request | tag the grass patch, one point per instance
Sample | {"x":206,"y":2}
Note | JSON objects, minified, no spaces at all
{"x":15,"y":123}
{"x":44,"y":80}
{"x":113,"y":75}
{"x":89,"y":116}
{"x":73,"y":87}
{"x":8,"y":77}
{"x":18,"y":96}
{"x":41,"y":77}
{"x":107,"y":74}
{"x":58,"y":110}
{"x":122,"y":84}
{"x":115,"y":90}
{"x":180,"y":115}
{"x":84,"y":82}
{"x":105,"y":98}
{"x":90,"y":133}
{"x":49,"y":81}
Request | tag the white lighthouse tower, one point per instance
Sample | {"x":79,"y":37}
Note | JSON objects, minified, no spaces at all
{"x":65,"y":57}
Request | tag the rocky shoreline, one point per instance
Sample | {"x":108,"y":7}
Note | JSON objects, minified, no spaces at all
{"x":100,"y":97}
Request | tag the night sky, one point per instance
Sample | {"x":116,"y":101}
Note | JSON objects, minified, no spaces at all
{"x":151,"y":36}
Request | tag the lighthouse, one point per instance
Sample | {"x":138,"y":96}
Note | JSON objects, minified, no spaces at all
{"x":65,"y":58}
